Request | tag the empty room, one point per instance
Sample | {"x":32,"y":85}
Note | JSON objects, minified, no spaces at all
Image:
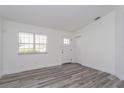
{"x":61,"y":46}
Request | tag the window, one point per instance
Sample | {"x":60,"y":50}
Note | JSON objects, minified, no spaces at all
{"x":40,"y":43}
{"x":66,"y":41}
{"x":32,"y":43}
{"x":25,"y":42}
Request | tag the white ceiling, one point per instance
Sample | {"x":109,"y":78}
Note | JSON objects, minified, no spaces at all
{"x":68,"y":18}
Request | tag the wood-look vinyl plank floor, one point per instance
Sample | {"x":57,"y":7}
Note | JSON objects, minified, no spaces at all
{"x":61,"y":76}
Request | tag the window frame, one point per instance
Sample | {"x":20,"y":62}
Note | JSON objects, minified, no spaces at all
{"x":34,"y":44}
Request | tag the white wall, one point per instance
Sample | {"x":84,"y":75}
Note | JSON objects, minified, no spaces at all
{"x":12,"y":62}
{"x":0,"y":47}
{"x":120,"y":42}
{"x":96,"y":46}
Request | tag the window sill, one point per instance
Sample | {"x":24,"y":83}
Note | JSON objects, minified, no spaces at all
{"x":33,"y":53}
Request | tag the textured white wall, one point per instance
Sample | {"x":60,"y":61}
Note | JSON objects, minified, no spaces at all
{"x":12,"y":62}
{"x":96,"y":46}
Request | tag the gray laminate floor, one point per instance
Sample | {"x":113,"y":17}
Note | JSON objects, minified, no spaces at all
{"x":61,"y":76}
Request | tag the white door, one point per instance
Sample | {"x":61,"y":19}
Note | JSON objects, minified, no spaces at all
{"x":80,"y":50}
{"x":66,"y":50}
